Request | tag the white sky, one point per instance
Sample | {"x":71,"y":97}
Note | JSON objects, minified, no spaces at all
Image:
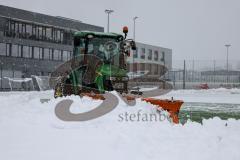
{"x":194,"y":29}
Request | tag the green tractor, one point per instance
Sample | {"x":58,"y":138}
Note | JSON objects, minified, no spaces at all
{"x":98,"y":64}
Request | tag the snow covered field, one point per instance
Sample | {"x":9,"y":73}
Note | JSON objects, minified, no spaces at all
{"x":30,"y":130}
{"x":221,"y":95}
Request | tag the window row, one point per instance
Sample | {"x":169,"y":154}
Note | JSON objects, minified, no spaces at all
{"x":150,"y":56}
{"x":153,"y":69}
{"x":37,"y":32}
{"x":16,"y":50}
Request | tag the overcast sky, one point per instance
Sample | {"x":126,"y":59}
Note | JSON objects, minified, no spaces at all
{"x":193,"y":29}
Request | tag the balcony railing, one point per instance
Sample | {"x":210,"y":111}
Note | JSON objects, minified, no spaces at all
{"x":37,"y":38}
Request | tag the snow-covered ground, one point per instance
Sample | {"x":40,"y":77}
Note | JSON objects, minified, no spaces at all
{"x":221,"y":95}
{"x":30,"y":130}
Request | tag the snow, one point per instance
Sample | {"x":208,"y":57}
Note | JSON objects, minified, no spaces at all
{"x":30,"y":130}
{"x":221,"y":95}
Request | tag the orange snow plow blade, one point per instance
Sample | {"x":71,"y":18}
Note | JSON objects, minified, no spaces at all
{"x":94,"y":96}
{"x":172,"y":106}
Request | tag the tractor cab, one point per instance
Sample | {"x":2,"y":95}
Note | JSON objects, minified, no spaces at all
{"x":101,"y":62}
{"x":104,"y":46}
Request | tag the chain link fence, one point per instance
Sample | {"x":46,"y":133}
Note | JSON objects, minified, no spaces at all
{"x":195,"y":74}
{"x":188,"y":74}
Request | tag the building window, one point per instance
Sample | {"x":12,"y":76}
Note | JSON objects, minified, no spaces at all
{"x":67,"y":38}
{"x":31,"y":51}
{"x":9,"y":48}
{"x":156,"y":55}
{"x":24,"y":35}
{"x":65,"y":56}
{"x":3,"y":49}
{"x":28,"y":30}
{"x":41,"y":52}
{"x":26,"y":53}
{"x":135,"y":53}
{"x":44,"y":34}
{"x":49,"y":34}
{"x":61,"y":36}
{"x":150,"y":68}
{"x":20,"y":49}
{"x":135,"y":66}
{"x":36,"y":53}
{"x":163,"y":57}
{"x":58,"y":35}
{"x":47,"y":54}
{"x":155,"y":69}
{"x":15,"y":27}
{"x":33,"y":36}
{"x":54,"y":34}
{"x":12,"y":29}
{"x":57,"y":55}
{"x":15,"y":50}
{"x":143,"y":53}
{"x":142,"y":67}
{"x":20,"y":28}
{"x":39,"y":32}
{"x":149,"y":54}
{"x":6,"y":28}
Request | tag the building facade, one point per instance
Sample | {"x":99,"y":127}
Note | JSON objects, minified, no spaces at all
{"x":33,"y":43}
{"x":150,"y":59}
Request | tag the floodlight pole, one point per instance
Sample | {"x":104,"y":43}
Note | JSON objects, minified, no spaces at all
{"x":108,"y":12}
{"x":134,"y":27}
{"x":134,"y":36}
{"x":227,"y":46}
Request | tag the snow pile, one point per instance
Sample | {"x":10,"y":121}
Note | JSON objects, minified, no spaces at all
{"x":30,"y":130}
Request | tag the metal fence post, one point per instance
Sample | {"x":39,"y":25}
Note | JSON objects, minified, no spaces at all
{"x":1,"y":75}
{"x":13,"y":67}
{"x":184,"y":75}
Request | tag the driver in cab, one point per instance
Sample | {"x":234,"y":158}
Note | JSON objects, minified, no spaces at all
{"x":98,"y":51}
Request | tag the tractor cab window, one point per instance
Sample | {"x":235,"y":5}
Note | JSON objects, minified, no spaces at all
{"x":104,"y":48}
{"x":79,"y":46}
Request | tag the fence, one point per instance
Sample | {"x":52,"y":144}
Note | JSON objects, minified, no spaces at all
{"x":194,"y":73}
{"x":19,"y":77}
{"x":183,"y":75}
